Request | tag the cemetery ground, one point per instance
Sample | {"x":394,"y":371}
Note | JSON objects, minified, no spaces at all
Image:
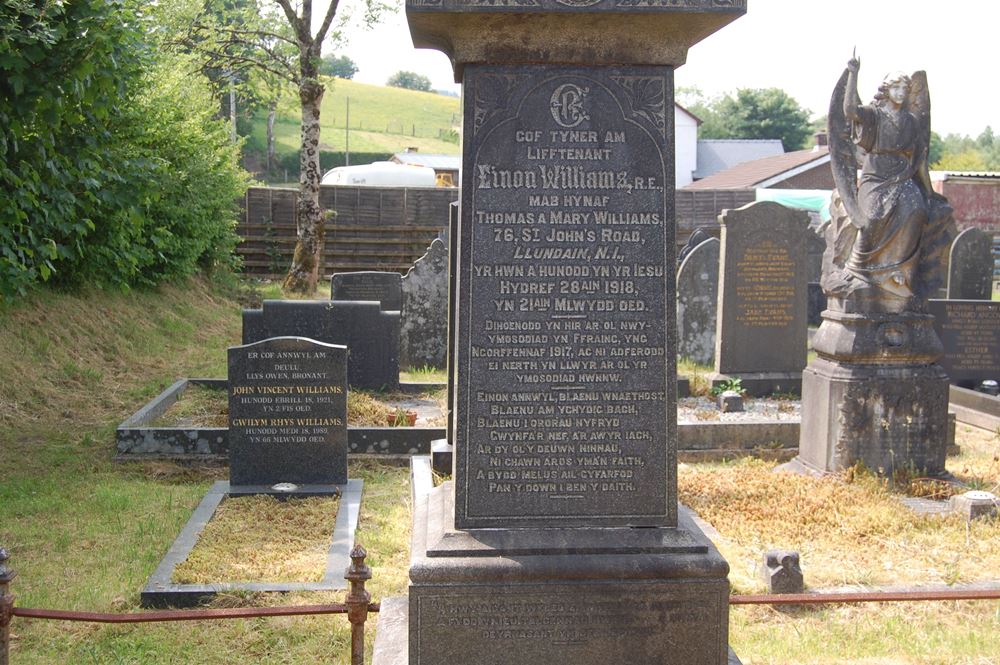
{"x":85,"y":533}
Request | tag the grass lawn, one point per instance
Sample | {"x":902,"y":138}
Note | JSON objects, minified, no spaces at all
{"x":382,"y":119}
{"x":85,"y":533}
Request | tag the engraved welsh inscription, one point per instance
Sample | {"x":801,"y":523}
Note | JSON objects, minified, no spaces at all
{"x":581,"y":624}
{"x":287,"y":413}
{"x":566,"y":263}
{"x":970,"y":333}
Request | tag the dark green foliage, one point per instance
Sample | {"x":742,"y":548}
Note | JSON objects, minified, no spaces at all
{"x":768,"y":113}
{"x":964,"y":153}
{"x":410,"y":81}
{"x":112,"y":168}
{"x":342,"y":66}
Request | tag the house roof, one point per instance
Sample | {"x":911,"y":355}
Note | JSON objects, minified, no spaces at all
{"x":766,"y":171}
{"x":716,"y":155}
{"x":946,"y":175}
{"x":436,"y":162}
{"x":681,"y":108}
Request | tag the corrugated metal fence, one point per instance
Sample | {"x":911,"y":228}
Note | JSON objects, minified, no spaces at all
{"x":376,"y":228}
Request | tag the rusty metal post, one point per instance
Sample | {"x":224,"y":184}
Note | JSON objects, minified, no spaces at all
{"x":357,"y":603}
{"x":6,"y":607}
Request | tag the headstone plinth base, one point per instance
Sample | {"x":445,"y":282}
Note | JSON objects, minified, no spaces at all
{"x":563,"y":595}
{"x":761,"y":384}
{"x":876,"y":338}
{"x":888,"y":417}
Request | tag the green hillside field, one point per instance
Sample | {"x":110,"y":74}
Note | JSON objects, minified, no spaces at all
{"x":382,"y":120}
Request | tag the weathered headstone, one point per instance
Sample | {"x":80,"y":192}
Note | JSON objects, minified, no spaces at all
{"x":423,"y":333}
{"x":382,"y":287}
{"x":565,"y":405}
{"x":287,"y":413}
{"x":814,"y":269}
{"x":762,"y":328}
{"x":970,"y":266}
{"x":970,"y":334}
{"x":370,"y":334}
{"x":781,"y":572}
{"x":697,"y":303}
{"x":253,"y":326}
{"x":698,"y":236}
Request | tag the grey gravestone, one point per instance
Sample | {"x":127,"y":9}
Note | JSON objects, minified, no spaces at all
{"x":697,"y":303}
{"x":814,"y":269}
{"x":287,"y":413}
{"x":370,"y":334}
{"x":253,"y":326}
{"x":698,"y":236}
{"x":762,"y":327}
{"x":382,"y":287}
{"x":564,"y":372}
{"x":782,"y":572}
{"x":970,"y":334}
{"x":970,"y":266}
{"x":423,"y":334}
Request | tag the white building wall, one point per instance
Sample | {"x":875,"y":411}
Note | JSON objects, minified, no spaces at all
{"x":685,"y":146}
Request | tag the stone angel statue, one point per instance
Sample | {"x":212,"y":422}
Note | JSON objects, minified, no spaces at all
{"x":890,"y":230}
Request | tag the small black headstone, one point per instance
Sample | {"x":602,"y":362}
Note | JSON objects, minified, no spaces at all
{"x":970,"y":333}
{"x":370,"y":334}
{"x":970,"y":266}
{"x":288,"y":413}
{"x":383,"y":287}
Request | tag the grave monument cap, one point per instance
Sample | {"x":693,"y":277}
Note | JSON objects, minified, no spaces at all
{"x":567,"y":32}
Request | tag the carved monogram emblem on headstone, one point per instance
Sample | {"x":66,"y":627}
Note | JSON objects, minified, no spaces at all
{"x":566,"y":105}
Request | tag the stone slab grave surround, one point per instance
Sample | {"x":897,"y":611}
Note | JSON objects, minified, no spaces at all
{"x":970,"y":266}
{"x":564,"y":347}
{"x":875,"y":394}
{"x":697,"y":302}
{"x":382,"y":287}
{"x":970,"y":336}
{"x":762,"y":314}
{"x":370,"y":334}
{"x":287,"y":413}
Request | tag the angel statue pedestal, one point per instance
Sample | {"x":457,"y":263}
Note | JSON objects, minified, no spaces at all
{"x":876,"y":394}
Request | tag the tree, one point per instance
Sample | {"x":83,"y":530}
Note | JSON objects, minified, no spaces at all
{"x":114,"y":166}
{"x":410,"y":81}
{"x":283,"y":44}
{"x":768,"y":113}
{"x":341,"y":67}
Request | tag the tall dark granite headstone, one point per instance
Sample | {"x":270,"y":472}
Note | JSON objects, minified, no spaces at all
{"x":370,"y":333}
{"x":564,"y":373}
{"x":762,"y":327}
{"x":697,"y":302}
{"x":287,"y":413}
{"x":970,"y":334}
{"x":383,"y":287}
{"x":970,"y":266}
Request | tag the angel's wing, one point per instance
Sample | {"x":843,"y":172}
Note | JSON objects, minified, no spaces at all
{"x":919,"y":105}
{"x":843,"y":156}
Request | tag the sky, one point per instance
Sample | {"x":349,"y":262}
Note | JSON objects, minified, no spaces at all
{"x":801,"y":46}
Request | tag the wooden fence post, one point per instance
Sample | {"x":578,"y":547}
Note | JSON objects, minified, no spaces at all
{"x":357,"y":602}
{"x":6,"y":607}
